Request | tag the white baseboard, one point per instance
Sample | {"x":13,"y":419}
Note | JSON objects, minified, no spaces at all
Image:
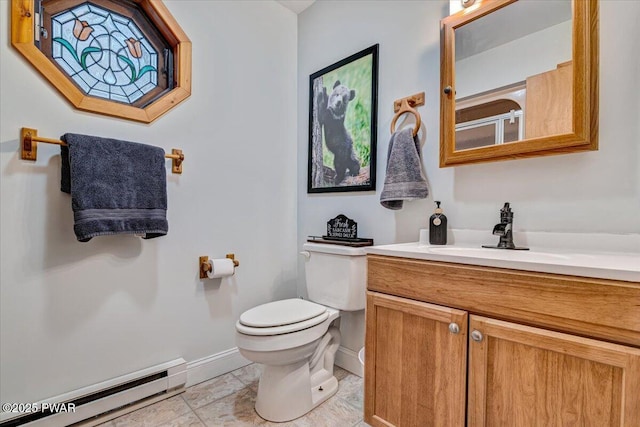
{"x":348,"y":359}
{"x":212,"y":366}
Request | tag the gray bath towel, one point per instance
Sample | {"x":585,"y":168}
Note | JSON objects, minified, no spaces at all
{"x":116,"y":187}
{"x":404,"y":179}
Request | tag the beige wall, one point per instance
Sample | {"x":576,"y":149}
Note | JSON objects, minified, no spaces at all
{"x":74,"y":314}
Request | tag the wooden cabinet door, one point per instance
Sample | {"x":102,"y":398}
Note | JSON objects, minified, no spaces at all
{"x":525,"y":376}
{"x":548,"y":107}
{"x":415,"y":367}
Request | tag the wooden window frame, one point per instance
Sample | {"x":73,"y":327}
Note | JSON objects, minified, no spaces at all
{"x":22,"y":39}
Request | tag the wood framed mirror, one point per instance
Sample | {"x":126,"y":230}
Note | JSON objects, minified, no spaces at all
{"x":519,"y":78}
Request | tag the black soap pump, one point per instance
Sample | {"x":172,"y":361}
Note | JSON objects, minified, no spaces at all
{"x":438,"y":227}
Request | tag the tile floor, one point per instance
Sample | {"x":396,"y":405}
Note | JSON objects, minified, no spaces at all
{"x":228,"y":400}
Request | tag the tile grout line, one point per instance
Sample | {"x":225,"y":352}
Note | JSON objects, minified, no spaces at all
{"x":186,"y":401}
{"x":238,"y":378}
{"x":195,"y":413}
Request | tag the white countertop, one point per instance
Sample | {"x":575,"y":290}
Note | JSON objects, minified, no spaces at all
{"x":604,"y":265}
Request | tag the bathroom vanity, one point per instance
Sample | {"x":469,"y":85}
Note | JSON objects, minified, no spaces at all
{"x":464,"y":336}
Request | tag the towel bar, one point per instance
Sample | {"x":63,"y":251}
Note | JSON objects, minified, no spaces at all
{"x":30,"y":139}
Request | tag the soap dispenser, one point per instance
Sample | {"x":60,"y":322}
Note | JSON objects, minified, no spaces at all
{"x":438,"y":227}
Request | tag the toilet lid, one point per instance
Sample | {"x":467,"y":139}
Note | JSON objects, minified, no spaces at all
{"x":281,"y":313}
{"x":281,"y":330}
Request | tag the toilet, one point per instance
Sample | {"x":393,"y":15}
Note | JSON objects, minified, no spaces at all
{"x":296,"y":340}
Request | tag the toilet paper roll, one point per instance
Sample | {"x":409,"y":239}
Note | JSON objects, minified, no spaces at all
{"x":222,"y":267}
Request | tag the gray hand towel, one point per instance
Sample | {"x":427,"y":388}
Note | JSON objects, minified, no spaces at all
{"x":404,"y":179}
{"x":116,"y":187}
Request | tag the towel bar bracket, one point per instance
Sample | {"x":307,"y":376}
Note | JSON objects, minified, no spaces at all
{"x":416,"y":100}
{"x":29,"y":139}
{"x":29,"y":146}
{"x":176,"y":160}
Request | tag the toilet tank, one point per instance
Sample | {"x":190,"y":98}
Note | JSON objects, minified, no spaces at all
{"x":336,"y":275}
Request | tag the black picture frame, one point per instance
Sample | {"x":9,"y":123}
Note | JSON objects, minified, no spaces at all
{"x":343,"y":109}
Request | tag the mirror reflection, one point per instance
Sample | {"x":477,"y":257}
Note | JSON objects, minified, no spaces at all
{"x":513,"y":74}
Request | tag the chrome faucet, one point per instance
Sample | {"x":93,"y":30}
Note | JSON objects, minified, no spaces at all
{"x":505,"y":230}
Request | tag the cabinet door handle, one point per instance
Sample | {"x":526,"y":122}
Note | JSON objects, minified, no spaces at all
{"x":454,"y":328}
{"x":476,"y":335}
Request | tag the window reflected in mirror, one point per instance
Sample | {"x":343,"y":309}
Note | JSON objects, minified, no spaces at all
{"x":490,"y":119}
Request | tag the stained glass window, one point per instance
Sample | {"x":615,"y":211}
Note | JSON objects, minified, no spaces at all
{"x":107,"y":48}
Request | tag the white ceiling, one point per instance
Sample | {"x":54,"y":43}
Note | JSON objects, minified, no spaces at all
{"x":296,"y":6}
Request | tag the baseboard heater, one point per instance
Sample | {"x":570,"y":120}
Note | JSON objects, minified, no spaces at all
{"x":103,"y":398}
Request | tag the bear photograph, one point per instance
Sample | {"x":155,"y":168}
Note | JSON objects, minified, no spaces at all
{"x":342,"y":124}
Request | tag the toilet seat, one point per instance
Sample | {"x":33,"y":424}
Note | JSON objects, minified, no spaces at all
{"x":281,"y":317}
{"x":258,"y":340}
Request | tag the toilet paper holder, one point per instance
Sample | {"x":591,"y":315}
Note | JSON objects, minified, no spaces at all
{"x":205,"y":267}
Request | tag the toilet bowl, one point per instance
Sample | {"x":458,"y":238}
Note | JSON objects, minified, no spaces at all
{"x":297,"y":359}
{"x":296,"y":340}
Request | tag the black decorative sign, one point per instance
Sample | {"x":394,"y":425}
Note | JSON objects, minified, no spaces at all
{"x":342,"y":227}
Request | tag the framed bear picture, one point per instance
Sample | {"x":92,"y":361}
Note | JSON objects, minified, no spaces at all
{"x":343,"y":110}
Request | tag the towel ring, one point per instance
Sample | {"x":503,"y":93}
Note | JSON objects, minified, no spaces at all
{"x":406,"y":108}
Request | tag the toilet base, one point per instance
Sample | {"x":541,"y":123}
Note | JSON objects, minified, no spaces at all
{"x":288,"y":392}
{"x":324,"y":391}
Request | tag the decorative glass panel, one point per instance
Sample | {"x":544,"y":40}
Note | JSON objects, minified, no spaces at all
{"x":112,"y":57}
{"x":104,"y":53}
